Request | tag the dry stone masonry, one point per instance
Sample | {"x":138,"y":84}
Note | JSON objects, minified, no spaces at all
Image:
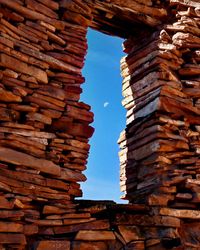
{"x":45,"y":129}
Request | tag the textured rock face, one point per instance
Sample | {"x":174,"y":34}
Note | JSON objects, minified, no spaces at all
{"x":44,"y":128}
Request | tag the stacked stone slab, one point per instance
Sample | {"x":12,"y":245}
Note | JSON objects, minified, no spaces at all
{"x":160,"y":147}
{"x":149,"y":82}
{"x":44,"y":128}
{"x":116,"y":227}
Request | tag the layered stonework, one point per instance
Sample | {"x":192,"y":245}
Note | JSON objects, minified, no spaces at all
{"x":160,"y":146}
{"x":45,"y":129}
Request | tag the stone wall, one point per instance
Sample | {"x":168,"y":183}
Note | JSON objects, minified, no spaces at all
{"x":45,"y":129}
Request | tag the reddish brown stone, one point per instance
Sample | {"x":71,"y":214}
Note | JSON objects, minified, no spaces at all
{"x":53,"y":244}
{"x":77,"y":245}
{"x":94,"y":225}
{"x":88,"y":235}
{"x":130,"y":233}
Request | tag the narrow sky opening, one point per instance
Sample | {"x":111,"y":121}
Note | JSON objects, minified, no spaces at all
{"x":102,"y":90}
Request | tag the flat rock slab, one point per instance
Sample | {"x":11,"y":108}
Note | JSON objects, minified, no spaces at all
{"x":181,"y":213}
{"x":15,"y":64}
{"x":130,"y":233}
{"x":53,"y":245}
{"x":92,"y":225}
{"x":87,"y":235}
{"x":18,"y":158}
{"x":10,"y":238}
{"x":77,"y":245}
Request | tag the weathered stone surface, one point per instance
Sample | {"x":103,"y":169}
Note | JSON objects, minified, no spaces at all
{"x":144,"y":220}
{"x":94,"y":225}
{"x":8,"y":96}
{"x":10,"y":238}
{"x":88,"y":235}
{"x":130,"y":233}
{"x":52,"y":245}
{"x":45,"y":127}
{"x":18,"y":158}
{"x":77,"y":245}
{"x":181,"y":213}
{"x":11,"y":227}
{"x":135,"y":245}
{"x":22,"y":67}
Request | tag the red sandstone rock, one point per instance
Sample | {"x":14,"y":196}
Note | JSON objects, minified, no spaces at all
{"x":130,"y":233}
{"x":96,"y":235}
{"x":53,"y":244}
{"x":14,"y":157}
{"x":13,"y":63}
{"x":42,"y":45}
{"x":89,"y":245}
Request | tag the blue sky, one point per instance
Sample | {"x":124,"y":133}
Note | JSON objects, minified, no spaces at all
{"x":102,"y":90}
